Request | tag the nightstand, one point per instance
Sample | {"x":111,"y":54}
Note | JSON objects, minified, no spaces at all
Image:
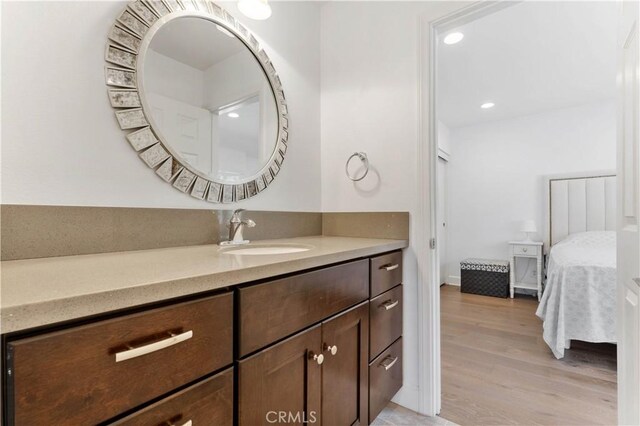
{"x":529,"y":250}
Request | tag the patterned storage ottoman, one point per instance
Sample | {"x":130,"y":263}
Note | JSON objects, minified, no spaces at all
{"x":486,"y":277}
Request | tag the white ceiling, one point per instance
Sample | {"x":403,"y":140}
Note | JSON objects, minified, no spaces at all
{"x":527,"y":58}
{"x":195,"y":42}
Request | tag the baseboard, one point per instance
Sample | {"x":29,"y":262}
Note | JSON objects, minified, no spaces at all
{"x":408,"y":396}
{"x":453,"y":280}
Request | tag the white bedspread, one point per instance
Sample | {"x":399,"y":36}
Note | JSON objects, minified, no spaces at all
{"x":579,"y":300}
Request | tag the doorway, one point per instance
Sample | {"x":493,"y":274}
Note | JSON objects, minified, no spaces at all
{"x":439,"y":192}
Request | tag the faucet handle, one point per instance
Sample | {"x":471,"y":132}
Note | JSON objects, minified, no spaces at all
{"x":235,"y":218}
{"x":250,"y":223}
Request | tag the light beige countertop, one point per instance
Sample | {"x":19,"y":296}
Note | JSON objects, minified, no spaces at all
{"x":38,"y":292}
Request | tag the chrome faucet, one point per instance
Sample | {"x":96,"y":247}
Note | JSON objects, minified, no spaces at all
{"x":236,"y":225}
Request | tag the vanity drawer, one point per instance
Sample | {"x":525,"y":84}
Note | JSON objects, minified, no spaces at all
{"x":88,"y":374}
{"x":209,"y":402}
{"x":526,"y":250}
{"x":386,"y":272}
{"x":385,"y":320}
{"x":385,"y":378}
{"x":276,"y":309}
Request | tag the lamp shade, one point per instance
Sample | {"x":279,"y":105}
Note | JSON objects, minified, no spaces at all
{"x":529,"y":226}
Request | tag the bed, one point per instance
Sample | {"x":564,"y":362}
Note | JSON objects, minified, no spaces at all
{"x":579,"y":298}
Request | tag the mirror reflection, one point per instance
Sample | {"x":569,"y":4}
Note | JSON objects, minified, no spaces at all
{"x":210,"y":99}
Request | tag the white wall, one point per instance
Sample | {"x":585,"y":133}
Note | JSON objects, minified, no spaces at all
{"x":444,"y":139}
{"x":233,"y":78}
{"x":62,"y":144}
{"x":497,"y":169}
{"x":173,"y":79}
{"x":370,"y":97}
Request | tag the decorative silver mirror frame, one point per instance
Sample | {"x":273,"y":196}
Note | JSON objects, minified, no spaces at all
{"x":129,"y":38}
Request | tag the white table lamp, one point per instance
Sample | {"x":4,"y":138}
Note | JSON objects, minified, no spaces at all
{"x":529,"y":227}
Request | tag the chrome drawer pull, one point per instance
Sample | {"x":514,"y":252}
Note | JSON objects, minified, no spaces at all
{"x":388,"y":362}
{"x":389,"y":304}
{"x":390,"y":267}
{"x":152,"y":347}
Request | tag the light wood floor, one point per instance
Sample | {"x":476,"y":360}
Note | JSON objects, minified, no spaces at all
{"x":497,"y":370}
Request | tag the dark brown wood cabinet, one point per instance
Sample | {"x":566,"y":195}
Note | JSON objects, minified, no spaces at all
{"x":319,"y":376}
{"x":276,"y":309}
{"x":386,"y":272}
{"x":385,"y":320}
{"x":83,"y":375}
{"x":385,"y":375}
{"x":282,"y":381}
{"x":209,"y":402}
{"x":345,"y":379}
{"x":303,"y":346}
{"x":385,"y":331}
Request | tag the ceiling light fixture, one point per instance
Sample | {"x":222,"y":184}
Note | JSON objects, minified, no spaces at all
{"x":487,"y":105}
{"x":255,"y":9}
{"x":233,"y":115}
{"x":453,"y":38}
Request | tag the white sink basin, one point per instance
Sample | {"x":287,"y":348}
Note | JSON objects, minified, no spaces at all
{"x":266,"y":249}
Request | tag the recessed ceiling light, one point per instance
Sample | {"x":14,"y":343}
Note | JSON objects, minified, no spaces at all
{"x":487,"y":105}
{"x":255,"y":9}
{"x":233,"y":115}
{"x":453,"y":38}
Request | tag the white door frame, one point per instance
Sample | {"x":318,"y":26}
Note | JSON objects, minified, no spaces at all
{"x":628,"y":315}
{"x":429,"y":381}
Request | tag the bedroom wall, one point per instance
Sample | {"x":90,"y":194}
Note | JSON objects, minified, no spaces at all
{"x":497,"y":169}
{"x":65,"y":145}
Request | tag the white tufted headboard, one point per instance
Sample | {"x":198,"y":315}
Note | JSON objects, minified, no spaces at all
{"x":579,"y":202}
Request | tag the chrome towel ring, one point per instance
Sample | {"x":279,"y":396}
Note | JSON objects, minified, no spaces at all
{"x":363,"y":157}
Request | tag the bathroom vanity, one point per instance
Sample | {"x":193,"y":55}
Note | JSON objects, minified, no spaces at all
{"x":313,"y":336}
{"x":293,"y":331}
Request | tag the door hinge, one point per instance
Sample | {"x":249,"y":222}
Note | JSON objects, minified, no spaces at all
{"x":432,"y":243}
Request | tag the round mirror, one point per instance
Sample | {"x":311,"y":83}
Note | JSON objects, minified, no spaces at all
{"x":210,"y":99}
{"x":201,"y":99}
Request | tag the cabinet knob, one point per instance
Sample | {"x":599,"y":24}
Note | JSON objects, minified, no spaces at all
{"x":524,"y":249}
{"x":319,"y":358}
{"x":333,"y":349}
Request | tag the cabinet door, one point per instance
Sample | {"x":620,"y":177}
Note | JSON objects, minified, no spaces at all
{"x":281,"y":384}
{"x":345,"y":378}
{"x":209,"y":402}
